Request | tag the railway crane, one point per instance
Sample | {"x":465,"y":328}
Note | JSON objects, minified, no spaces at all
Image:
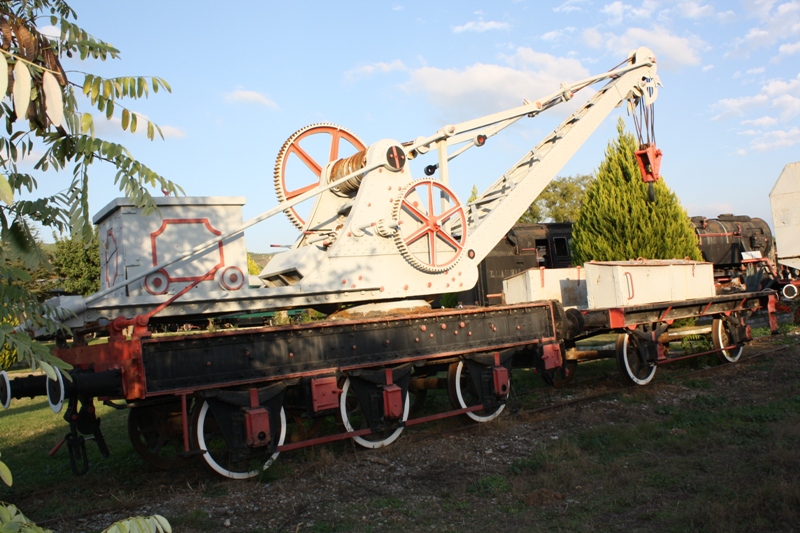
{"x":375,"y":245}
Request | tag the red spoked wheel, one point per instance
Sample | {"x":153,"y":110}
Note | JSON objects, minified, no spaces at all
{"x":302,"y":157}
{"x":433,"y":225}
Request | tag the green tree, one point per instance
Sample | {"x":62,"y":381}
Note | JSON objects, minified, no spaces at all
{"x":560,"y":201}
{"x":77,"y":263}
{"x":252,"y":267}
{"x":42,"y":116}
{"x":617,"y":222}
{"x":473,"y":195}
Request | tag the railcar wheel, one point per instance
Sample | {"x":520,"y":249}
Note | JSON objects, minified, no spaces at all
{"x":721,"y":338}
{"x":416,"y":400}
{"x":629,"y":362}
{"x":462,"y":393}
{"x":208,"y":436}
{"x":5,"y":390}
{"x":156,"y":434}
{"x":561,"y":377}
{"x":353,"y":419}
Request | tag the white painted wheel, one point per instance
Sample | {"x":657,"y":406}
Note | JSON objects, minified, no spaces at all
{"x":352,"y":414}
{"x":629,"y":364}
{"x":5,"y":390}
{"x":462,"y":394}
{"x":721,"y":338}
{"x":216,"y":454}
{"x":789,"y":291}
{"x":55,"y":392}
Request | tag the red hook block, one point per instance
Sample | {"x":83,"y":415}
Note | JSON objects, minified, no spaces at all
{"x":649,"y":159}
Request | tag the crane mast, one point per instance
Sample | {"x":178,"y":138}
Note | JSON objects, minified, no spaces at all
{"x":374,"y":233}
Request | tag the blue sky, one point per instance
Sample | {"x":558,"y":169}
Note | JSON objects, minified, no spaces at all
{"x":246,"y":75}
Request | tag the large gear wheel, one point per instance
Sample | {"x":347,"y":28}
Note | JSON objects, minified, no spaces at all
{"x":290,"y":183}
{"x":426,"y":235}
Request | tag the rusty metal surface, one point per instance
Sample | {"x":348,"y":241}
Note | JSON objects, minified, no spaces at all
{"x":265,"y":354}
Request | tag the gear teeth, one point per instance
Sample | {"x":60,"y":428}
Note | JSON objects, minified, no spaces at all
{"x":278,"y":177}
{"x":398,"y":237}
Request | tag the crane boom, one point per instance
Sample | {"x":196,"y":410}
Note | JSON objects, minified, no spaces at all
{"x":495,"y":211}
{"x":374,"y":233}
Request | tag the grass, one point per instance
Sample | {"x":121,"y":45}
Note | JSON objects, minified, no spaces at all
{"x":705,"y":465}
{"x":28,"y":432}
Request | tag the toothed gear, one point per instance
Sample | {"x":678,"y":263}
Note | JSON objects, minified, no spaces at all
{"x":416,"y":223}
{"x":291,"y":146}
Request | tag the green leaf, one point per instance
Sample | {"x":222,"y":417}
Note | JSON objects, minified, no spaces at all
{"x":87,"y":84}
{"x":139,"y":87}
{"x":150,"y":130}
{"x":5,"y":474}
{"x":53,"y":100}
{"x":133,"y":122}
{"x":110,"y":109}
{"x":3,"y":79}
{"x":6,"y":192}
{"x":163,"y":523}
{"x":95,"y":89}
{"x":22,"y":89}
{"x":126,"y":119}
{"x":86,"y":123}
{"x":108,"y":88}
{"x":48,"y":369}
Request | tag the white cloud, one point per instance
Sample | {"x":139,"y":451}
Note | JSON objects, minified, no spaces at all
{"x":693,"y":10}
{"x":618,"y":11}
{"x":486,"y":88}
{"x":593,"y":38}
{"x":670,"y":50}
{"x":789,"y":49}
{"x":570,"y":6}
{"x":480,"y":26}
{"x":249,"y":97}
{"x":776,"y":139}
{"x":374,"y":68}
{"x":50,"y":31}
{"x":788,"y":105}
{"x":760,"y":122}
{"x":614,"y":11}
{"x":113,"y":127}
{"x":757,"y":70}
{"x":398,"y":8}
{"x":778,"y":22}
{"x":557,"y":35}
{"x":726,"y":16}
{"x":779,"y":95}
{"x":172,"y":132}
{"x":706,"y":68}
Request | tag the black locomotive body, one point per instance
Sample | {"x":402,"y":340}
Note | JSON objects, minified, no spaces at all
{"x":732,"y":242}
{"x":742,"y":249}
{"x":524,"y":247}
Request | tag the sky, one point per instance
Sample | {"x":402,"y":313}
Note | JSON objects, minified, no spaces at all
{"x":245,"y":75}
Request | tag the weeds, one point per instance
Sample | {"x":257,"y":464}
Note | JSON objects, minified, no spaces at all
{"x":489,"y":486}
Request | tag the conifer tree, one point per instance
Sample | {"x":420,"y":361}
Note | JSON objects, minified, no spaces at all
{"x":617,"y":220}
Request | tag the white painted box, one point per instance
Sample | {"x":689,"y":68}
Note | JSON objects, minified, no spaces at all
{"x":785,"y":202}
{"x":568,"y":285}
{"x":628,"y":283}
{"x":131,"y":243}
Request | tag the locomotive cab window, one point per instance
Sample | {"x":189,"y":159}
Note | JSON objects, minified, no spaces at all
{"x":561,"y":246}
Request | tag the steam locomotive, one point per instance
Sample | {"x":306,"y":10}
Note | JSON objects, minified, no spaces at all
{"x":741,"y":248}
